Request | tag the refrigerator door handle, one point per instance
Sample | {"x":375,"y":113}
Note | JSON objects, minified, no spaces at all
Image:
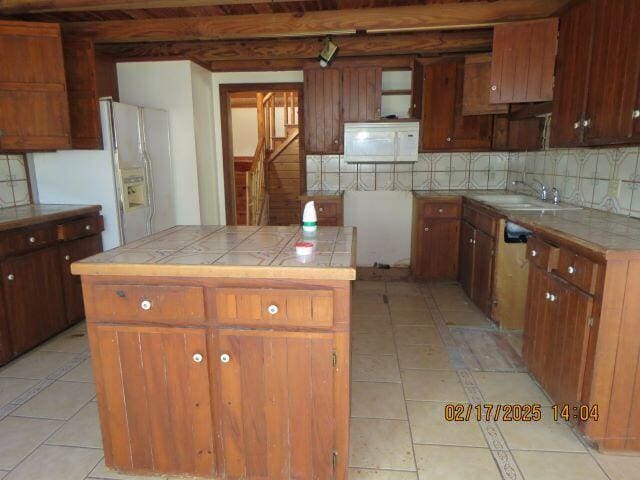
{"x":117,"y":173}
{"x":148,"y":173}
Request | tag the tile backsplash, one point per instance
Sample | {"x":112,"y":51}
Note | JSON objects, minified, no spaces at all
{"x":601,"y":178}
{"x":14,"y":182}
{"x":432,"y":171}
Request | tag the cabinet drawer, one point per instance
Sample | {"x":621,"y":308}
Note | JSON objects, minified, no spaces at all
{"x":15,"y":242}
{"x":542,"y":254}
{"x":441,"y":210}
{"x":486,"y":223}
{"x":577,"y":270}
{"x":328,"y":222}
{"x":274,"y":307}
{"x":80,"y":228}
{"x":145,"y":303}
{"x":326,"y":209}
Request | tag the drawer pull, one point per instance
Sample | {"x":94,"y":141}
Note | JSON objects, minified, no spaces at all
{"x":571,"y":270}
{"x":67,"y":257}
{"x":197,"y":357}
{"x":426,"y":229}
{"x":145,"y":305}
{"x":321,"y":209}
{"x":440,"y":210}
{"x":11,"y":277}
{"x":32,"y":239}
{"x":272,"y":309}
{"x":224,"y":358}
{"x":534,"y":253}
{"x":87,"y":227}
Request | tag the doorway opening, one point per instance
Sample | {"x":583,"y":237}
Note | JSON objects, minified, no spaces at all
{"x":264,"y":167}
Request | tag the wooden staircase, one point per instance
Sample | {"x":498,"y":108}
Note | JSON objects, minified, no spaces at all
{"x":273,"y":181}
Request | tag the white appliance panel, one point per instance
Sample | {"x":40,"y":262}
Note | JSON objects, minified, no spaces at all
{"x":157,"y":146}
{"x":128,"y":135}
{"x":383,"y":142}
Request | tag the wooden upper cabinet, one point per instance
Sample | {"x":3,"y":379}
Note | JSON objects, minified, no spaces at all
{"x":361,"y":93}
{"x":613,"y":74}
{"x":477,"y":87}
{"x":572,"y":69}
{"x":89,"y":77}
{"x":523,"y":61}
{"x":438,"y":101}
{"x":34,"y":113}
{"x":322,"y":110}
{"x":470,"y":132}
{"x":517,"y":135}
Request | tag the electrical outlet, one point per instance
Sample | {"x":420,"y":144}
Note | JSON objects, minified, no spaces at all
{"x":614,"y":188}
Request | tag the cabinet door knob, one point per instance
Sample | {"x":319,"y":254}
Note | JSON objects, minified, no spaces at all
{"x":335,"y":141}
{"x":87,"y":227}
{"x":547,"y":295}
{"x":321,"y":209}
{"x":586,"y":123}
{"x":440,"y":210}
{"x":635,"y":114}
{"x":471,"y":240}
{"x":67,"y":257}
{"x":426,"y":229}
{"x":576,"y":125}
{"x":145,"y":305}
{"x":10,"y":277}
{"x":224,"y":358}
{"x":448,"y":139}
{"x":197,"y":357}
{"x":571,"y":270}
{"x":552,"y":298}
{"x":32,"y":239}
{"x":494,"y":88}
{"x":534,"y":253}
{"x":272,"y":309}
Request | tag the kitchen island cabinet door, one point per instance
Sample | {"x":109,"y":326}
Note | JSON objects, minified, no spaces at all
{"x":277,"y":404}
{"x":71,"y":252}
{"x":154,"y":398}
{"x":34,"y":297}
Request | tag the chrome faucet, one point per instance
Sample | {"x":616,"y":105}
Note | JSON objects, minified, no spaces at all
{"x":542,"y":193}
{"x":556,"y":196}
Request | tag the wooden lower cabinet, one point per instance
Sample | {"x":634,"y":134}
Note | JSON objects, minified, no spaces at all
{"x":150,"y":420}
{"x":34,"y":297}
{"x":277,"y":404}
{"x":227,"y":393}
{"x":467,"y":237}
{"x":482,"y":270}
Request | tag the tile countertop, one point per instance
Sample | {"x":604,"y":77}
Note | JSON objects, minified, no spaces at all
{"x":322,"y":194}
{"x":231,"y":251}
{"x":26,"y":215}
{"x":597,"y":230}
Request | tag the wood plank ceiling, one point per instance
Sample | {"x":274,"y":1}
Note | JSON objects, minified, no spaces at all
{"x":252,"y":34}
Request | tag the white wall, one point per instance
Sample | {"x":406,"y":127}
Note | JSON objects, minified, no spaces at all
{"x":205,"y":146}
{"x":168,"y":85}
{"x":244,"y":129}
{"x":218,"y":79}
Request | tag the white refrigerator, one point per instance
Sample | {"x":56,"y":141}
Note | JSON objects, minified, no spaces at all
{"x":131,"y":177}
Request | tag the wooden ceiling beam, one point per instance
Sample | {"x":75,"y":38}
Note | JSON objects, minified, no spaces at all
{"x":440,"y":16}
{"x":396,"y":62}
{"x":418,"y":43}
{"x":22,"y":7}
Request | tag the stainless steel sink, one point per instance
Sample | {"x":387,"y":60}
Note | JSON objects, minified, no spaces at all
{"x":517,"y":202}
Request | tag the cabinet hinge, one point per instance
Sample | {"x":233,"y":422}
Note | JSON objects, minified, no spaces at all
{"x":335,"y":359}
{"x":590,"y":321}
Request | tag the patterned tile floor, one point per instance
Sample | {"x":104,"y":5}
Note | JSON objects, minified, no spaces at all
{"x":416,"y":347}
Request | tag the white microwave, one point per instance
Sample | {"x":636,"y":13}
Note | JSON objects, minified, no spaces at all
{"x":381,"y":142}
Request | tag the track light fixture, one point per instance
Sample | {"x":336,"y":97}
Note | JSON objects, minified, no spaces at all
{"x":328,"y":52}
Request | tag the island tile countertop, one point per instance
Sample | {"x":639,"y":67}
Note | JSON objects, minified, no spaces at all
{"x":322,"y":194}
{"x":231,"y":251}
{"x":604,"y":232}
{"x":27,"y":215}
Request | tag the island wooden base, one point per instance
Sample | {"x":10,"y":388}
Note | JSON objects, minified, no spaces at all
{"x":222,"y":378}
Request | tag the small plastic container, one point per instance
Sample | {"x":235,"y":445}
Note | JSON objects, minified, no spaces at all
{"x":304,"y":248}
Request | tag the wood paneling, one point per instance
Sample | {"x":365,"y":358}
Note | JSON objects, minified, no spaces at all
{"x":278,"y":404}
{"x":323,"y":110}
{"x":34,"y":297}
{"x":517,"y":135}
{"x":422,"y":17}
{"x":361,"y":94}
{"x":284,"y":185}
{"x":572,"y":72}
{"x":34,"y":114}
{"x":523,"y":61}
{"x":477,"y":87}
{"x":150,"y":421}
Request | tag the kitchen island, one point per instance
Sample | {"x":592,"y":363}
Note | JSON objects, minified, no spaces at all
{"x":218,"y":352}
